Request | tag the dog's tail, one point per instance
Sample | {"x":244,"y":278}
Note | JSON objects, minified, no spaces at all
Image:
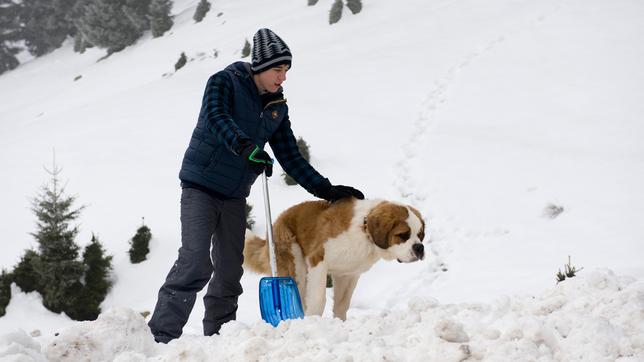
{"x":256,"y":254}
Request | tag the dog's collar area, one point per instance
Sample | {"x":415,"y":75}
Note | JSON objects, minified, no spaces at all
{"x":364,"y":228}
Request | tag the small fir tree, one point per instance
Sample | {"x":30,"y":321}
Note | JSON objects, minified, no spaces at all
{"x":96,"y":282}
{"x":5,"y":291}
{"x":354,"y":5}
{"x":201,"y":11}
{"x":246,"y":49}
{"x":79,"y":44}
{"x":140,"y":244}
{"x":552,"y":210}
{"x":98,"y":269}
{"x":181,"y":62}
{"x":250,"y":222}
{"x":312,"y":2}
{"x":303,"y":146}
{"x":80,"y":41}
{"x":336,"y":12}
{"x":58,"y":269}
{"x":304,"y":151}
{"x":160,"y":19}
{"x":108,"y":24}
{"x":569,"y":272}
{"x":25,"y":275}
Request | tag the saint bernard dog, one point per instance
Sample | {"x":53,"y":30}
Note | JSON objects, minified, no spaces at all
{"x":342,"y":239}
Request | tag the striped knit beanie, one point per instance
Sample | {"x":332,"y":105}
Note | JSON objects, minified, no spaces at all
{"x":269,"y":50}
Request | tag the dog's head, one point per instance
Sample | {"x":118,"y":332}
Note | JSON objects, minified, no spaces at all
{"x":397,"y":229}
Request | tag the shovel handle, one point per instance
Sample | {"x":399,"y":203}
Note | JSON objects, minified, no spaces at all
{"x":269,"y":226}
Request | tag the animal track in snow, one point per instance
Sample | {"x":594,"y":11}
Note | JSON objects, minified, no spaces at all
{"x":414,"y":190}
{"x":411,"y":187}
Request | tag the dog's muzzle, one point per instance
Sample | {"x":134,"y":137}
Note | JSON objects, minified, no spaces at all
{"x":419,"y":251}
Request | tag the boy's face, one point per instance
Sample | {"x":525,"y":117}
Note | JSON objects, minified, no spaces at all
{"x":271,"y":79}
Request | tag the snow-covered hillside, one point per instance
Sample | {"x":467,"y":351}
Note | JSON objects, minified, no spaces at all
{"x":479,"y":114}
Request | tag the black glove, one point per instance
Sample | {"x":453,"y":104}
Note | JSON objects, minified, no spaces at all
{"x":334,"y":193}
{"x":258,"y":159}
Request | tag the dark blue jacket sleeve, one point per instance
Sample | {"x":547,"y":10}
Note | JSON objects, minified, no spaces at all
{"x":218,"y":103}
{"x":288,"y":154}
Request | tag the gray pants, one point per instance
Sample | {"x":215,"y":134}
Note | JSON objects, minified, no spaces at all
{"x":205,"y":221}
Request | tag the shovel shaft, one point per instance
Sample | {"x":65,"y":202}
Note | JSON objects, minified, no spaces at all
{"x":279,"y":298}
{"x":269,"y":226}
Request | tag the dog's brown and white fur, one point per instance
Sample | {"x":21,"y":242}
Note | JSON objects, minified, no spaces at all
{"x":342,"y":239}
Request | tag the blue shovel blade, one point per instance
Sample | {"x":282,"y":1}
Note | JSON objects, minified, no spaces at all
{"x":279,"y":299}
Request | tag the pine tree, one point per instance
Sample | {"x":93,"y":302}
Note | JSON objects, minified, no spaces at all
{"x":98,"y":268}
{"x":96,"y":282}
{"x":246,"y":49}
{"x":138,"y":11}
{"x":160,"y":19}
{"x":250,"y":222}
{"x":140,"y":244}
{"x":304,"y":151}
{"x":25,"y":275}
{"x":181,"y":62}
{"x":201,"y":11}
{"x":336,"y":12}
{"x":5,"y":291}
{"x":9,"y":34}
{"x":80,"y":41}
{"x":354,"y":5}
{"x":303,"y":146}
{"x":8,"y":60}
{"x":80,"y":44}
{"x":58,"y":269}
{"x":46,"y":24}
{"x":105,"y":24}
{"x":570,"y":271}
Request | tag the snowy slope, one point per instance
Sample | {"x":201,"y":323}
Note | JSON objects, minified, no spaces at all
{"x":478,"y":114}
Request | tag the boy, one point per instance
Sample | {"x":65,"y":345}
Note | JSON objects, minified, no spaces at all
{"x":243,"y":107}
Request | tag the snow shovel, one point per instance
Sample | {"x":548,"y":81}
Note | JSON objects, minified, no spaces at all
{"x":279,"y":298}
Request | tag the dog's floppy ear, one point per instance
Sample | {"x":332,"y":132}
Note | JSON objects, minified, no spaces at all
{"x":421,"y":233}
{"x":381,"y":221}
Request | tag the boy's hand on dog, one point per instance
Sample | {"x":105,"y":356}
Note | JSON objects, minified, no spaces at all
{"x":334,"y":193}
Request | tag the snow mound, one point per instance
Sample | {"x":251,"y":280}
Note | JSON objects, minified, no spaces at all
{"x":117,"y":331}
{"x":19,"y":346}
{"x":594,"y":317}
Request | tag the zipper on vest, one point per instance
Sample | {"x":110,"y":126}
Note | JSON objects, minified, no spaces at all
{"x":275,"y":102}
{"x":261,"y":114}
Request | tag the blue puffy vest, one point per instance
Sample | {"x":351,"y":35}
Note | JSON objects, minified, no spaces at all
{"x":208,"y":162}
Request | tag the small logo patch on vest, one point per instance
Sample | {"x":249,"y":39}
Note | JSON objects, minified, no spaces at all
{"x":275,"y":114}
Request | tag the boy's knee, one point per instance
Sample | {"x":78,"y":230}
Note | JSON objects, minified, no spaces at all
{"x":192,"y":269}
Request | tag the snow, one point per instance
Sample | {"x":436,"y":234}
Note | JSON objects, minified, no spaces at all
{"x":478,"y":114}
{"x":26,"y":312}
{"x":18,"y":346}
{"x":596,"y":317}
